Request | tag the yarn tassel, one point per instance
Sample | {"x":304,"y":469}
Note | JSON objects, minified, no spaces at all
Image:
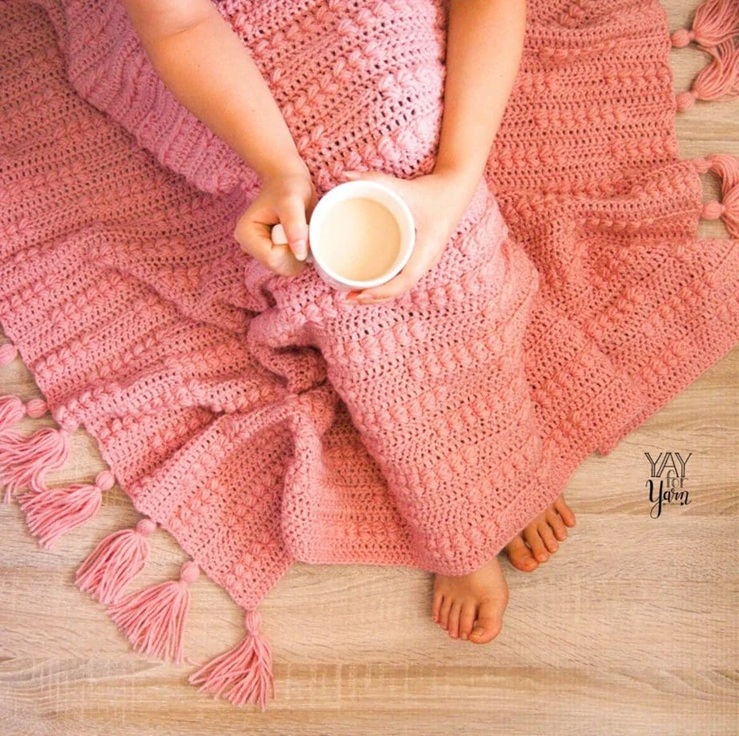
{"x":243,"y":674}
{"x":718,"y":81}
{"x":12,"y":410}
{"x":715,"y":21}
{"x":52,"y":512}
{"x":726,"y":167}
{"x":115,"y":562}
{"x":25,"y":460}
{"x":153,"y":619}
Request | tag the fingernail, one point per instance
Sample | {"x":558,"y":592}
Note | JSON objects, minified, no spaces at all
{"x":351,"y":175}
{"x":477,"y":632}
{"x":301,"y":250}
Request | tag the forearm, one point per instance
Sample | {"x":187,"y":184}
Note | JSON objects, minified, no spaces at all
{"x":484,"y":47}
{"x":207,"y":68}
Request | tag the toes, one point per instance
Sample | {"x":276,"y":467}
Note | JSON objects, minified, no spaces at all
{"x":467,"y":619}
{"x":535,"y":542}
{"x":446,"y":606}
{"x":520,"y":555}
{"x":564,"y":510}
{"x":454,"y":619}
{"x":545,"y":532}
{"x":555,"y":522}
{"x":489,"y":623}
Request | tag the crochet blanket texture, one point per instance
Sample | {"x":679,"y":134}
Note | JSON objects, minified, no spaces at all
{"x":259,"y":419}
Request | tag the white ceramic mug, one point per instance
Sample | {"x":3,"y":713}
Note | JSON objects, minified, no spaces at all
{"x":361,"y":234}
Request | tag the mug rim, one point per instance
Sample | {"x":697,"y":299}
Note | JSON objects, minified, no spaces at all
{"x":400,"y":212}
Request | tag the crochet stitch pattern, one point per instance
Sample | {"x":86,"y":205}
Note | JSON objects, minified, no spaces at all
{"x":261,"y":420}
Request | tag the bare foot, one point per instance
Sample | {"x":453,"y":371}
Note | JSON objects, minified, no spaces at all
{"x":539,"y":536}
{"x":477,"y":599}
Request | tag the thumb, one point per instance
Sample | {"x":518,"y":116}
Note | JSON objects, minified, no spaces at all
{"x":292,"y":217}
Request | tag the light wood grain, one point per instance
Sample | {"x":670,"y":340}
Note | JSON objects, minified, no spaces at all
{"x":629,"y":629}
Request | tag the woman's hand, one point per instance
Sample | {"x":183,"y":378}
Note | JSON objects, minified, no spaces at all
{"x":287,"y":197}
{"x":438,"y":202}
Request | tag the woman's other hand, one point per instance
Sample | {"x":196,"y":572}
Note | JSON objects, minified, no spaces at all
{"x":287,"y":197}
{"x":438,"y":202}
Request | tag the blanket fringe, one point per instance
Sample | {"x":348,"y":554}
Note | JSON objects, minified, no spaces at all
{"x":243,"y":674}
{"x":115,"y":562}
{"x":52,"y":512}
{"x":726,"y":167}
{"x":154,"y":619}
{"x":25,"y":460}
{"x":715,"y":21}
{"x":719,"y":81}
{"x":12,"y":410}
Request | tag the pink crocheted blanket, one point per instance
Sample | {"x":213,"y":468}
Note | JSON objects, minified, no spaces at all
{"x":261,"y":420}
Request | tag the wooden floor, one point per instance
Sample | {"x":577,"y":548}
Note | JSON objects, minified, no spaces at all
{"x":630,"y":628}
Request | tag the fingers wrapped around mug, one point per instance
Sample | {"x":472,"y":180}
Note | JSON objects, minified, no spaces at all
{"x":286,"y":200}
